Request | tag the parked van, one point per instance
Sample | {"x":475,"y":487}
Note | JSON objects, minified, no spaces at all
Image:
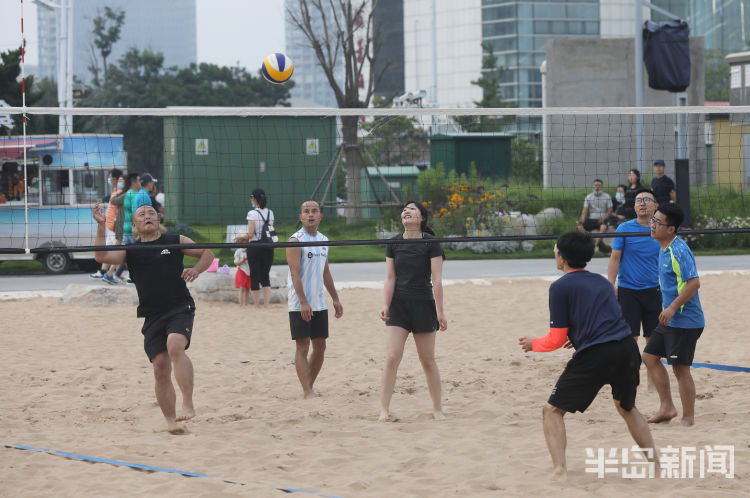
{"x":65,"y":176}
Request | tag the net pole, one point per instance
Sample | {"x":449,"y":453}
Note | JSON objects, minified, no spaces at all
{"x":23,"y":125}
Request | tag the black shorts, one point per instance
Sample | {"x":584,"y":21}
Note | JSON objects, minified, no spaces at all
{"x":591,"y":225}
{"x":156,"y":328}
{"x":675,"y":344}
{"x":418,"y":316}
{"x":316,"y":328}
{"x":616,"y":363}
{"x":640,"y":307}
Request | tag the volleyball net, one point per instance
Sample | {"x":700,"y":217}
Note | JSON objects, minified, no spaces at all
{"x":493,"y":180}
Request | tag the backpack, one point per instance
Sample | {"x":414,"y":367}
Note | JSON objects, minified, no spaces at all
{"x":268,"y":232}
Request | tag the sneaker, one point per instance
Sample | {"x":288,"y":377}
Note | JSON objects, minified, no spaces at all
{"x":120,"y":280}
{"x":129,"y":281}
{"x":98,"y":274}
{"x":109,"y":279}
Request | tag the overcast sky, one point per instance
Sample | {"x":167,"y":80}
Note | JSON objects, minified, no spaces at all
{"x":229,"y":31}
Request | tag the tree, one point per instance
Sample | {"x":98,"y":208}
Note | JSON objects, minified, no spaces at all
{"x":526,"y":160}
{"x":717,"y":76}
{"x":106,"y":34}
{"x":343,"y":32}
{"x":489,"y":82}
{"x":44,"y":94}
{"x":396,"y":139}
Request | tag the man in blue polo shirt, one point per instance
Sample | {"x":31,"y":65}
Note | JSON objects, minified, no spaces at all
{"x":633,"y":270}
{"x":681,"y":323}
{"x":585,"y":314}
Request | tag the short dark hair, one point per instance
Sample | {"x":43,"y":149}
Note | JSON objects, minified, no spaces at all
{"x":260,"y":197}
{"x":132,"y":178}
{"x":577,"y":248}
{"x":598,"y":180}
{"x":624,"y":187}
{"x":673,"y":214}
{"x":644,"y":190}
{"x":116,"y":173}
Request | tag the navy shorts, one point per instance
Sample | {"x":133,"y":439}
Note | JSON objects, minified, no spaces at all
{"x":616,"y":363}
{"x":640,"y":308}
{"x":316,"y":328}
{"x":675,"y":344}
{"x":156,"y":328}
{"x":418,"y":316}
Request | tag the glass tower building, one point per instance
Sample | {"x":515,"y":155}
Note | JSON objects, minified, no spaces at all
{"x":518,"y":32}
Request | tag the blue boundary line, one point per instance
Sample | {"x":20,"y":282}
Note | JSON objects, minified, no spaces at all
{"x":716,"y":366}
{"x":149,"y":468}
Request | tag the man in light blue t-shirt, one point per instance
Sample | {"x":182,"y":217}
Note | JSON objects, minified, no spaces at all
{"x":308,"y":279}
{"x":633,"y":269}
{"x":681,"y":323}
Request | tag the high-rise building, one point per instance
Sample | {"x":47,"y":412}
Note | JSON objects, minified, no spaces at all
{"x":311,"y":87}
{"x":723,"y":24}
{"x":166,"y":26}
{"x":389,"y":18}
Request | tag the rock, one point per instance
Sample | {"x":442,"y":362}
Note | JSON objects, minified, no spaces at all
{"x":100,"y":295}
{"x":215,"y":286}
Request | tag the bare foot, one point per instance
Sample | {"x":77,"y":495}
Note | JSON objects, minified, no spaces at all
{"x":186,"y":413}
{"x":176,"y":429}
{"x":385,"y":416}
{"x":311,"y":395}
{"x":662,"y":417}
{"x":687,"y":421}
{"x":439,"y":415}
{"x":560,"y":474}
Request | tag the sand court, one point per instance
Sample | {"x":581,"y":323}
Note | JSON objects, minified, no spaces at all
{"x":75,"y":379}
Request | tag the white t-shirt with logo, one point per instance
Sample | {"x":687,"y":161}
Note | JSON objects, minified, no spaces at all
{"x":312,"y":265}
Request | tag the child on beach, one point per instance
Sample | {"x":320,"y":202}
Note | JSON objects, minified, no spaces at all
{"x":242,"y":278}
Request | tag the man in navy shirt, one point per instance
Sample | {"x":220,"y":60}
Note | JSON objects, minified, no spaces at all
{"x":662,"y":185}
{"x":681,"y":323}
{"x":584,"y":314}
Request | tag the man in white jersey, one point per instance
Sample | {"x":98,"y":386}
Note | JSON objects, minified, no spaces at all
{"x":309,"y":277}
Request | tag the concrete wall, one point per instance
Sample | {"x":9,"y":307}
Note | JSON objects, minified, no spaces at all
{"x":600,"y":73}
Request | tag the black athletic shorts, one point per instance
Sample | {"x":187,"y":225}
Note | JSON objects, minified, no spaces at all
{"x":640,"y":307}
{"x":156,"y":328}
{"x":418,"y":316}
{"x":591,"y":225}
{"x":314,"y":329}
{"x":675,"y":344}
{"x":616,"y":363}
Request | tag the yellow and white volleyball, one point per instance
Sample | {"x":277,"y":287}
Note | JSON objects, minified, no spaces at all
{"x":277,"y":68}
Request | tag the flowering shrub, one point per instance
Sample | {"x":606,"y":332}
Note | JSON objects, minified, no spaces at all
{"x":719,"y":241}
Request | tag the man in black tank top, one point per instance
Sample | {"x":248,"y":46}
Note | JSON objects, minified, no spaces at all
{"x":165,"y":303}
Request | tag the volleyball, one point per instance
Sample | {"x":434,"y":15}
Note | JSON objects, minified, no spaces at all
{"x":277,"y":68}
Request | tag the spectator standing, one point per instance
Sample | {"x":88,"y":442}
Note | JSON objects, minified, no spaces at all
{"x":662,"y":185}
{"x":260,"y":259}
{"x":242,"y":277}
{"x":117,"y":183}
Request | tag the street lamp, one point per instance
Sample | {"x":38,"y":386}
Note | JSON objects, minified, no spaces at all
{"x":64,"y":59}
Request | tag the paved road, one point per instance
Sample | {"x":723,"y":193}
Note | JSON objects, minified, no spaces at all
{"x":350,"y":272}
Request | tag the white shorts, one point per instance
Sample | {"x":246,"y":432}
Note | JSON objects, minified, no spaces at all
{"x":111,"y":240}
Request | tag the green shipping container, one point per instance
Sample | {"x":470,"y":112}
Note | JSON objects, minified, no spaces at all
{"x":398,"y":177}
{"x":212,"y":164}
{"x":490,"y":153}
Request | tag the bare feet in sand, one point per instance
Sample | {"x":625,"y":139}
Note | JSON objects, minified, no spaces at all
{"x":662,"y":416}
{"x":560,"y":474}
{"x":439,"y":415}
{"x":186,"y":413}
{"x":687,"y":422}
{"x":311,"y":395}
{"x":176,"y":429}
{"x":385,"y":417}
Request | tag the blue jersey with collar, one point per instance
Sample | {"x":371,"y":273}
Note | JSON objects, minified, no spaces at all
{"x":676,"y":267}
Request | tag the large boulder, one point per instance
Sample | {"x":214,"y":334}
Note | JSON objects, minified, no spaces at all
{"x":218,"y":286}
{"x":100,"y":295}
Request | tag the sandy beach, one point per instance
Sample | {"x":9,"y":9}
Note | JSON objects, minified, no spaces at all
{"x":75,"y":379}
